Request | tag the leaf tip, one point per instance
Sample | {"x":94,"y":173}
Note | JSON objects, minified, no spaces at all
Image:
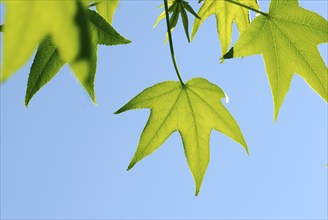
{"x":221,"y":60}
{"x":275,"y":116}
{"x":94,"y":101}
{"x":197,"y":190}
{"x":126,"y":107}
{"x":92,"y":96}
{"x":119,"y":111}
{"x":247,"y":151}
{"x":26,"y":103}
{"x":244,"y":144}
{"x":131,"y":165}
{"x":126,"y":41}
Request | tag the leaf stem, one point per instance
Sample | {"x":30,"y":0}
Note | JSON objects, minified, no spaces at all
{"x":171,"y":42}
{"x":250,"y":8}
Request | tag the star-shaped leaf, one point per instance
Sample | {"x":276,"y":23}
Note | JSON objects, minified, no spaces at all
{"x":29,"y":22}
{"x":288,"y":39}
{"x":47,"y":61}
{"x":193,"y":109}
{"x":225,"y":13}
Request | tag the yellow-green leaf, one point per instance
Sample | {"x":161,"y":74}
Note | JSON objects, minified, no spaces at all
{"x":193,"y":109}
{"x":107,"y":8}
{"x":225,"y":13}
{"x":288,"y":39}
{"x":29,"y":22}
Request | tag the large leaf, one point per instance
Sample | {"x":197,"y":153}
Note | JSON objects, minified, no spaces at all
{"x":48,"y":62}
{"x":225,"y":13}
{"x":288,"y":39}
{"x":193,"y":109}
{"x":29,"y":22}
{"x":107,"y":8}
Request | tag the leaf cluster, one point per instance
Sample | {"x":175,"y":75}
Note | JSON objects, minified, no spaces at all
{"x":68,"y":32}
{"x":178,"y":8}
{"x":63,"y":32}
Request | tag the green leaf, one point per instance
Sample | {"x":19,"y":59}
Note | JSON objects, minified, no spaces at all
{"x":288,"y":39}
{"x":225,"y":13}
{"x":107,"y":9}
{"x":178,"y":7}
{"x":29,"y":22}
{"x":190,"y":9}
{"x":175,"y":15}
{"x":48,"y":62}
{"x":185,"y":22}
{"x":193,"y":109}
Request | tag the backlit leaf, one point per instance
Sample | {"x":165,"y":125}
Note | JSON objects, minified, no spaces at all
{"x":288,"y":39}
{"x":48,"y":62}
{"x":193,"y":109}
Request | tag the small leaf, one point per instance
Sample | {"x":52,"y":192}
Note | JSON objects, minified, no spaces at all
{"x":288,"y":39}
{"x":175,"y":15}
{"x":185,"y":22}
{"x":193,"y":109}
{"x":178,"y":7}
{"x":48,"y":62}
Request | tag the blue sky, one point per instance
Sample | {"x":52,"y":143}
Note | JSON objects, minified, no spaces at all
{"x":64,"y":157}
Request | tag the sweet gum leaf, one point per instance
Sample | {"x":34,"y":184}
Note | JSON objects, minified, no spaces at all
{"x":287,"y":39}
{"x":193,"y":109}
